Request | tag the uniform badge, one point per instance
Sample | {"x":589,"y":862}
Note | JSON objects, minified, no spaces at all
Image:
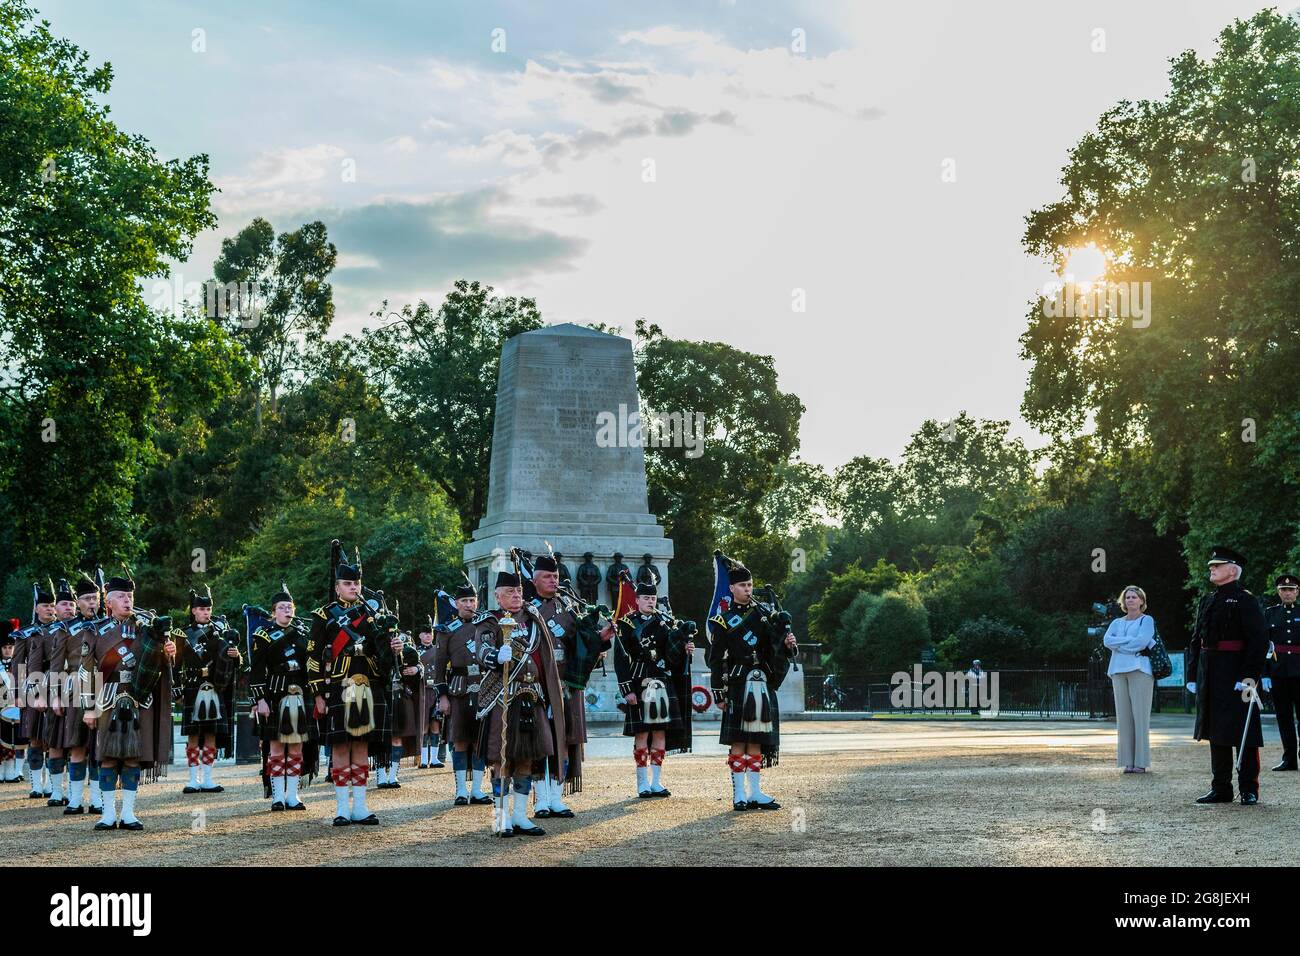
{"x":556,"y":628}
{"x":749,"y":638}
{"x":455,"y":624}
{"x":472,"y":646}
{"x":735,"y":619}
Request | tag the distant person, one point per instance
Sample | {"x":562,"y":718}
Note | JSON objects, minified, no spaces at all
{"x":1130,"y":638}
{"x":974,"y":680}
{"x":1283,"y":678}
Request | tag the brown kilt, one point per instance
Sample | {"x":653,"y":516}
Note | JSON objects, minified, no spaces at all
{"x":464,"y":723}
{"x":155,"y":729}
{"x":489,"y":742}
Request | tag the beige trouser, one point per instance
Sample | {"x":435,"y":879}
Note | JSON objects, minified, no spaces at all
{"x":1133,"y":717}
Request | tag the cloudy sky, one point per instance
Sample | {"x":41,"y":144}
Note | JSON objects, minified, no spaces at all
{"x":702,"y":165}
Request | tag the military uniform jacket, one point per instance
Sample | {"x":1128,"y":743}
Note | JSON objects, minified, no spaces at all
{"x":1283,"y":622}
{"x":740,"y":641}
{"x":648,"y":647}
{"x":203,"y":655}
{"x":1228,"y":645}
{"x":455,"y":660}
{"x":336,"y":654}
{"x":279,"y":660}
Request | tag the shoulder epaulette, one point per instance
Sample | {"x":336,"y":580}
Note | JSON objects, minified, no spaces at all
{"x":481,"y":617}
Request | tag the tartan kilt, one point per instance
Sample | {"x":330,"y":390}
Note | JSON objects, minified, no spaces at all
{"x":732,"y":718}
{"x":32,"y":724}
{"x":464,"y":723}
{"x":268,"y":728}
{"x":221,"y":729}
{"x":68,"y":730}
{"x":633,"y":723}
{"x":407,"y":721}
{"x":334,"y":729}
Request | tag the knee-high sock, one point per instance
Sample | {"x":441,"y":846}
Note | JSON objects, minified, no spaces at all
{"x":737,"y":764}
{"x":56,"y":778}
{"x":642,"y":757}
{"x":755,"y":768}
{"x":293,"y":774}
{"x":108,"y":786}
{"x":360,"y":773}
{"x":520,"y":817}
{"x":76,"y":783}
{"x":656,"y":768}
{"x":396,"y":764}
{"x":275,"y":770}
{"x":434,"y":756}
{"x":130,"y":783}
{"x":96,"y":795}
{"x":476,"y":790}
{"x":192,"y":759}
{"x":208,"y":757}
{"x":459,"y":764}
{"x":342,"y":777}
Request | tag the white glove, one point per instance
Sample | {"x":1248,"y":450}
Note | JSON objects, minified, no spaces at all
{"x":503,"y":654}
{"x":1191,"y":687}
{"x":1268,"y":684}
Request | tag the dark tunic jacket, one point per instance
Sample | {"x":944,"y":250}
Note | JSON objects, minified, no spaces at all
{"x":1228,"y":645}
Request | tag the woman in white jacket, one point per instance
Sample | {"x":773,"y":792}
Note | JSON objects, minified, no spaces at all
{"x":1130,"y":638}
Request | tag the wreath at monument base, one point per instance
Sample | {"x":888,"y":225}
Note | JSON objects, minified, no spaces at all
{"x":701,"y":699}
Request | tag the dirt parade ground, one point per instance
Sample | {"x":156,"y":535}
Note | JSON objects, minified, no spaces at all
{"x":865,"y":793}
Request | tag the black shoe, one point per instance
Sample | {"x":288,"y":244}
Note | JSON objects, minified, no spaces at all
{"x":1287,"y":763}
{"x":530,"y":831}
{"x":73,"y":811}
{"x":97,"y":811}
{"x":561,"y":814}
{"x":101,"y":825}
{"x":1214,"y":796}
{"x":277,"y":806}
{"x":541,"y":814}
{"x":189,"y":789}
{"x":423,"y":766}
{"x":509,"y":832}
{"x":740,"y":805}
{"x":369,"y":821}
{"x":460,"y":802}
{"x":1249,"y":799}
{"x":131,"y":826}
{"x":480,"y":801}
{"x":395,"y":785}
{"x":36,"y":795}
{"x":217,"y":789}
{"x":661,"y":793}
{"x":342,"y":821}
{"x":645,"y":795}
{"x":768,"y":805}
{"x":295,"y":806}
{"x":438,"y":765}
{"x":55,"y":803}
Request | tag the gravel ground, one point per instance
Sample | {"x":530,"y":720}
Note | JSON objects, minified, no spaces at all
{"x":861,"y":793}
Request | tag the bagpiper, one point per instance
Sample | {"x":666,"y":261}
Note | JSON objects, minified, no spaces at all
{"x":521,"y":704}
{"x":408,"y":723}
{"x":350,"y":662}
{"x":750,"y":650}
{"x":277,"y":684}
{"x":456,"y":676}
{"x":652,"y":659}
{"x":579,"y":641}
{"x":432,"y":747}
{"x":70,"y":735}
{"x":60,"y":635}
{"x":126,"y":662}
{"x":1226,"y":657}
{"x":10,"y":715}
{"x":1283,"y":679}
{"x":209,"y":665}
{"x":33,"y":660}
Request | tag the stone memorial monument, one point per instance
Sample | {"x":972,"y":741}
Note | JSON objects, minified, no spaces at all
{"x":566,"y":467}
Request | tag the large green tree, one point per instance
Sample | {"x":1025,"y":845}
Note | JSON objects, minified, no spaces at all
{"x":87,"y":210}
{"x":1194,"y":396}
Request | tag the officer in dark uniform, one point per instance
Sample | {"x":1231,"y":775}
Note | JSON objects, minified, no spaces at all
{"x":1227,"y":654}
{"x":1283,"y":678}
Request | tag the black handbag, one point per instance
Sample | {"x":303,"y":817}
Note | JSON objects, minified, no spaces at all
{"x":1161,"y":666}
